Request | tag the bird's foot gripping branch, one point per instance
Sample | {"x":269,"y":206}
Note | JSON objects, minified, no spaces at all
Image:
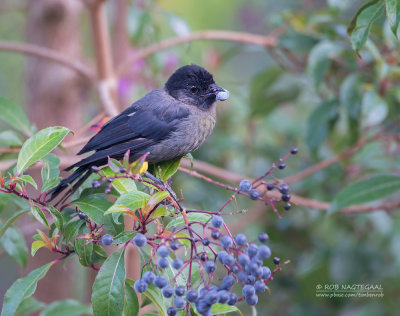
{"x":190,"y":261}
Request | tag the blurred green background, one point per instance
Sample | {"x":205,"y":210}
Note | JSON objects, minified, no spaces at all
{"x":312,"y":92}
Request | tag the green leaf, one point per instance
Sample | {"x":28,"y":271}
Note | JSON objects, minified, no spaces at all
{"x":122,"y":185}
{"x":12,"y":220}
{"x":99,"y":254}
{"x":319,"y":123}
{"x":36,"y":245}
{"x":94,"y":207}
{"x":39,"y":215}
{"x":132,"y":200}
{"x":192,"y":217}
{"x":39,"y":145}
{"x":50,"y":172}
{"x":296,"y":42}
{"x":22,"y":289}
{"x":165,"y":170}
{"x":28,"y":306}
{"x":319,"y":60}
{"x":72,"y":228}
{"x":365,"y":191}
{"x":84,"y":250}
{"x":154,"y":295}
{"x":108,"y":288}
{"x":160,"y":211}
{"x":393,"y":14}
{"x":123,"y":237}
{"x":131,"y":303}
{"x":13,"y":242}
{"x":27,"y":179}
{"x":67,"y":307}
{"x":361,"y":24}
{"x":10,"y":139}
{"x":14,"y":116}
{"x":218,"y":308}
{"x":156,"y":198}
{"x":57,"y":216}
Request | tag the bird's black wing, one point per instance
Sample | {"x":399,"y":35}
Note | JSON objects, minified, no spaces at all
{"x":143,"y":124}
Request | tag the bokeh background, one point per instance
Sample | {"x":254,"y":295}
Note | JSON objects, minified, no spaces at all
{"x":311,"y":91}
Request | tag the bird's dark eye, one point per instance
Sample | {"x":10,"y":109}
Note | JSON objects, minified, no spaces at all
{"x":193,"y":90}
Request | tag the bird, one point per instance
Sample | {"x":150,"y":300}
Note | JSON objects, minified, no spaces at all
{"x":165,"y":124}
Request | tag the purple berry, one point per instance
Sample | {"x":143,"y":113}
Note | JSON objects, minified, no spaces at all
{"x":226,"y":242}
{"x":284,"y":188}
{"x":260,"y":286}
{"x":180,"y":290}
{"x":229,"y":260}
{"x":241,"y":239}
{"x":270,"y":186}
{"x":140,"y":286}
{"x":264,"y":252}
{"x":81,"y":215}
{"x":210,"y":266}
{"x":149,"y":277}
{"x":96,"y":184}
{"x":167,"y":291}
{"x":254,"y":194}
{"x":122,"y":170}
{"x":171,"y":311}
{"x":179,"y":302}
{"x":243,"y":259}
{"x":266,"y":273}
{"x":215,"y":234}
{"x":252,"y":250}
{"x":245,"y":186}
{"x":282,"y":165}
{"x":139,"y":240}
{"x":294,"y":151}
{"x":160,"y":282}
{"x":252,"y":299}
{"x":174,"y":245}
{"x":223,"y":296}
{"x":277,"y":260}
{"x":163,"y":251}
{"x":177,"y":264}
{"x":263,"y":237}
{"x":286,"y":197}
{"x":205,"y":241}
{"x":211,"y":297}
{"x":248,"y":290}
{"x":107,"y":240}
{"x":163,"y":263}
{"x":288,"y":206}
{"x":232,"y":299}
{"x":191,"y":296}
{"x":95,"y":169}
{"x":222,"y":255}
{"x":227,"y":282}
{"x":203,"y":257}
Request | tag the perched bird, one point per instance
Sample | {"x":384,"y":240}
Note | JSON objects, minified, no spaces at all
{"x":166,"y":123}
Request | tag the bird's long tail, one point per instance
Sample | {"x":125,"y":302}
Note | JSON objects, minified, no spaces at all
{"x":73,"y":182}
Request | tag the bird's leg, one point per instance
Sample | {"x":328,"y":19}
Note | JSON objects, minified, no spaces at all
{"x":163,"y":185}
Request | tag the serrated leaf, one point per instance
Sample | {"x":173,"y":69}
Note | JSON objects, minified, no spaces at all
{"x":319,"y":59}
{"x":218,"y":308}
{"x":165,"y":170}
{"x":22,"y":289}
{"x":192,"y":217}
{"x":154,"y":295}
{"x":11,"y":220}
{"x":39,"y":145}
{"x":28,"y":306}
{"x":13,"y":242}
{"x":108,"y":288}
{"x":84,"y":251}
{"x":365,"y":191}
{"x":50,"y":172}
{"x":131,"y":303}
{"x":123,"y":237}
{"x":361,"y":24}
{"x":14,"y":116}
{"x":393,"y":14}
{"x":67,"y":307}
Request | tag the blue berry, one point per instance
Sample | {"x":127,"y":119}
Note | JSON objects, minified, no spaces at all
{"x":177,"y":264}
{"x":179,"y":302}
{"x":241,"y":239}
{"x":243,"y":259}
{"x":221,"y":256}
{"x":139,"y":240}
{"x":232,"y":299}
{"x":171,"y":311}
{"x":266,"y":273}
{"x":205,"y":241}
{"x":226,"y":242}
{"x":286,"y":197}
{"x":160,"y":282}
{"x":223,"y":296}
{"x":107,"y":240}
{"x":149,"y":277}
{"x":284,"y":188}
{"x":180,"y":290}
{"x":264,"y":252}
{"x":211,"y":297}
{"x":217,"y":221}
{"x":250,"y":279}
{"x":210,"y":266}
{"x":288,"y":206}
{"x":96,"y":184}
{"x":215,"y":234}
{"x":282,"y":165}
{"x":252,"y":250}
{"x":270,"y":186}
{"x":203,"y":257}
{"x":167,"y":291}
{"x":254,"y":194}
{"x":252,"y":267}
{"x":163,"y":263}
{"x":242,"y":276}
{"x":122,"y":170}
{"x":248,"y":290}
{"x":163,"y":251}
{"x":203,"y":291}
{"x":203,"y":307}
{"x":294,"y":151}
{"x":245,"y":185}
{"x":81,"y":215}
{"x":235,"y":269}
{"x":277,"y":260}
{"x":229,"y":260}
{"x":227,"y":282}
{"x":252,"y":299}
{"x":263,"y":237}
{"x":191,"y":296}
{"x":174,"y":245}
{"x":140,"y":286}
{"x":260,"y":286}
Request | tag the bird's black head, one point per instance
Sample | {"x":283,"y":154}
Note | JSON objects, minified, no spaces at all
{"x":193,"y":85}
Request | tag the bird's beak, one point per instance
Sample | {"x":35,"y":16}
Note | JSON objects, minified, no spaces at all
{"x":220,"y":93}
